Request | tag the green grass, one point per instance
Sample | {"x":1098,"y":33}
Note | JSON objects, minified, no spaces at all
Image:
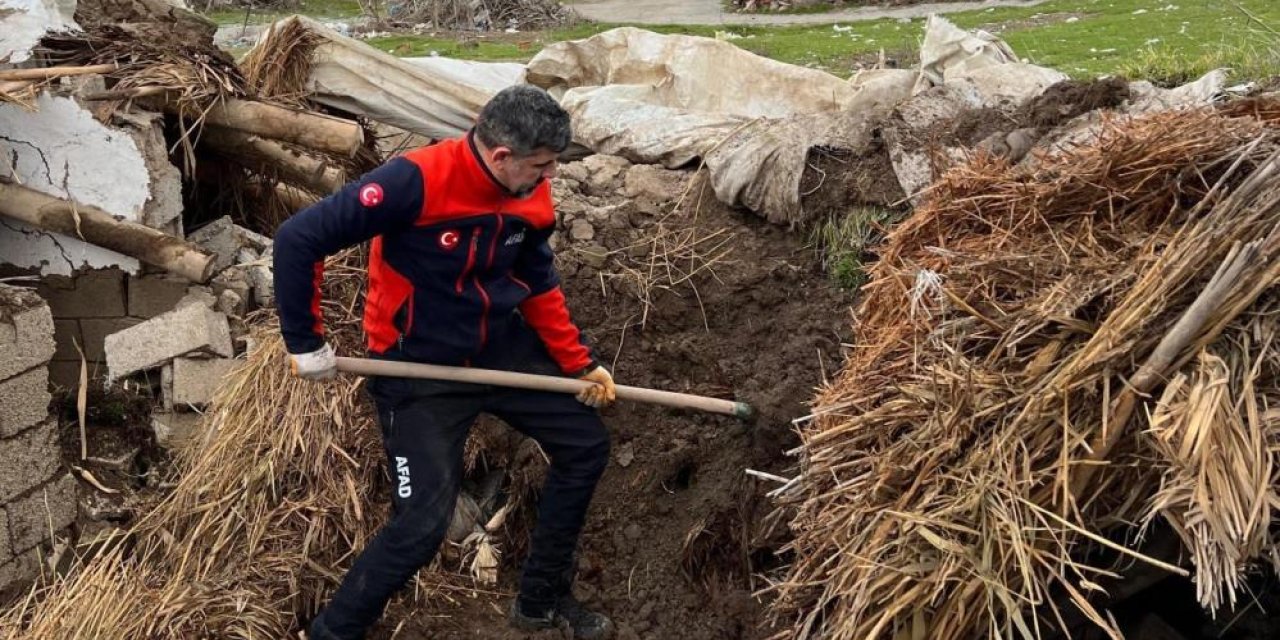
{"x":1106,"y":37}
{"x":319,"y":9}
{"x":842,"y":242}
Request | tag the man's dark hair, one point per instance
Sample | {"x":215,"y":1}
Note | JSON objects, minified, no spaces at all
{"x":524,"y":119}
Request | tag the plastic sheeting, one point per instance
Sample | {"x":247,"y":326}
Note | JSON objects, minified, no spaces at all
{"x":655,"y":98}
{"x":434,"y":97}
{"x":24,"y":22}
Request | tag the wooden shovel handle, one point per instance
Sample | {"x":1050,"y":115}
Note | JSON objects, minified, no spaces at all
{"x":367,"y":367}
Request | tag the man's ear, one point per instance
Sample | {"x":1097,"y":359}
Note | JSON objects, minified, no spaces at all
{"x":501,"y":154}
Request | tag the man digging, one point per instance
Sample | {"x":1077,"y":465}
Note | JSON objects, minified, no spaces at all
{"x":460,"y":273}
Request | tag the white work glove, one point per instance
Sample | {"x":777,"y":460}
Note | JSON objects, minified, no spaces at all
{"x":602,"y":393}
{"x":321,"y":364}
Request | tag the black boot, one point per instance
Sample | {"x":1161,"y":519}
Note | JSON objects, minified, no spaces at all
{"x":567,"y":613}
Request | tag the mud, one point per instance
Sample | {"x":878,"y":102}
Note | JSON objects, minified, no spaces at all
{"x":838,"y":179}
{"x":677,"y":532}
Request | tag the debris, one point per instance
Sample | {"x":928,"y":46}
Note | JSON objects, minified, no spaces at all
{"x":196,"y":379}
{"x":225,"y":239}
{"x":101,"y":228}
{"x":26,"y":331}
{"x":175,"y":429}
{"x":435,"y":99}
{"x":191,"y":329}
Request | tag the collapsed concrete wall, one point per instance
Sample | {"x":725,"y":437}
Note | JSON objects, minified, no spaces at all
{"x":62,"y":150}
{"x":38,"y":498}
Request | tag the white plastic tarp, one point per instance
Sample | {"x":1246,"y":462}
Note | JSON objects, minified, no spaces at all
{"x":433,"y":97}
{"x":24,"y":22}
{"x":655,"y":98}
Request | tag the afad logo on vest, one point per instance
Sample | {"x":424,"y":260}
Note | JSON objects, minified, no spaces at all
{"x":449,"y":239}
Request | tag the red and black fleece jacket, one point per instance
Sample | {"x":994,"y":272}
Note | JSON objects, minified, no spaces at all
{"x":453,"y":256}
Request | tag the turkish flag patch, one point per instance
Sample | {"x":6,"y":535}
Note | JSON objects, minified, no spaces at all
{"x":371,"y":194}
{"x":449,"y":240}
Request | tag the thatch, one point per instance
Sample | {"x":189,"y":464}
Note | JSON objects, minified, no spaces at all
{"x":194,"y":74}
{"x":990,"y":426}
{"x":281,"y":64}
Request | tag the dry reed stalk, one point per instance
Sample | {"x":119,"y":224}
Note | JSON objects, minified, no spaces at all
{"x":949,"y":484}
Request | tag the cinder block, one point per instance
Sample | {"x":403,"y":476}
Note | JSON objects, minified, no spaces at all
{"x":66,"y":335}
{"x":19,"y":571}
{"x":24,"y":401}
{"x":26,"y":331}
{"x":195,"y":380}
{"x":150,"y":296}
{"x":175,"y":429}
{"x":190,"y":329}
{"x":48,"y":509}
{"x":30,"y":458}
{"x":94,"y":294}
{"x":6,"y":547}
{"x":95,"y":332}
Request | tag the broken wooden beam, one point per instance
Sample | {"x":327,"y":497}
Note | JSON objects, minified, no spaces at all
{"x":296,"y":168}
{"x":95,"y":226}
{"x":313,"y":131}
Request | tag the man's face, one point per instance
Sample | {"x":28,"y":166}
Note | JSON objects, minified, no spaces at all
{"x":521,"y":175}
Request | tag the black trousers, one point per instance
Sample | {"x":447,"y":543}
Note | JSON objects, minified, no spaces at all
{"x":424,"y":427}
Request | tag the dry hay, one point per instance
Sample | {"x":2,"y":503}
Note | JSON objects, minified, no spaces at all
{"x":281,"y":64}
{"x":267,"y":510}
{"x":991,"y":427}
{"x":196,"y":75}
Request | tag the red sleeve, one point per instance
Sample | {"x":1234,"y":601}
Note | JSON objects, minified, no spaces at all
{"x":549,"y":317}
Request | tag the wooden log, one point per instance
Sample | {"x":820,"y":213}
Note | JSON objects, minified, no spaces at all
{"x":296,"y":168}
{"x":312,"y":131}
{"x":100,"y":228}
{"x":45,"y":73}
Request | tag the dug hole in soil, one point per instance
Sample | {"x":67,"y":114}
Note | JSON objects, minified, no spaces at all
{"x":692,"y":298}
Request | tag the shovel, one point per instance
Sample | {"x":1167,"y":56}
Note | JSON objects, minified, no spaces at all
{"x":367,"y":367}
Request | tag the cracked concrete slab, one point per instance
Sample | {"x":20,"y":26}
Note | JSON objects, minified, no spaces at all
{"x":62,"y":150}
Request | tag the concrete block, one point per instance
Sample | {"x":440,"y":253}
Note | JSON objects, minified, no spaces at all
{"x":95,"y":332}
{"x":26,"y":331}
{"x":166,"y":386}
{"x":24,"y":401}
{"x":66,"y":335}
{"x":6,"y":546}
{"x":42,"y":512}
{"x":93,"y":294}
{"x":190,"y":329}
{"x":173,"y":429}
{"x":226,"y":239}
{"x":19,"y":571}
{"x":195,"y":380}
{"x":152,"y":295}
{"x":30,"y":458}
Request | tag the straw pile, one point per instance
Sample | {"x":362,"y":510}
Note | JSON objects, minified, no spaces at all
{"x":1047,"y":357}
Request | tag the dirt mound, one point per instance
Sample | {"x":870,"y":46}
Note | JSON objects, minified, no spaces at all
{"x":701,"y":300}
{"x":1071,"y":98}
